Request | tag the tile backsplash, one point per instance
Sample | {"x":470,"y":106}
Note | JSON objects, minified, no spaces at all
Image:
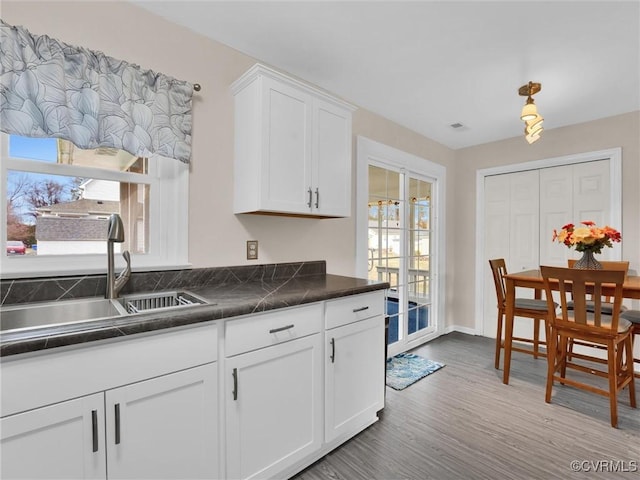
{"x":26,"y":290}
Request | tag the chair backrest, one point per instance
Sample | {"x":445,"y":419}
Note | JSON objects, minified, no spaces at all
{"x":608,"y":265}
{"x":583,"y":286}
{"x":499,"y":270}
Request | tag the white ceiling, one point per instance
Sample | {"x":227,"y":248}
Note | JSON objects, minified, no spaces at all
{"x":428,"y":64}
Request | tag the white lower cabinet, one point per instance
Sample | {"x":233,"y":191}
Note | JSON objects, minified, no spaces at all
{"x":354,"y":368}
{"x":274,"y":397}
{"x":354,"y":364}
{"x":164,"y":427}
{"x":61,"y":441}
{"x":296,"y":383}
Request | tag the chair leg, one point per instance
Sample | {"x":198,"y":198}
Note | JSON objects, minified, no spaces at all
{"x":536,"y":337}
{"x":508,"y":342}
{"x":551,"y":365}
{"x":499,"y":338}
{"x":564,"y":354}
{"x":637,"y":375}
{"x":613,"y":383}
{"x":570,"y":349}
{"x":632,"y":385}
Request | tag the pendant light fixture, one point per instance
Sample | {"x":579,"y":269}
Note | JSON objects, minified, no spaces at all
{"x":529,"y":115}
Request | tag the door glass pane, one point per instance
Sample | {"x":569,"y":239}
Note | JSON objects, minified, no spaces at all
{"x":419,"y":200}
{"x":385,"y":237}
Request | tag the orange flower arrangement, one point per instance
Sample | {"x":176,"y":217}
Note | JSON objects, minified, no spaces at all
{"x":589,"y":238}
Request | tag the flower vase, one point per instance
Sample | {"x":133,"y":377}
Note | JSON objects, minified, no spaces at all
{"x":588,"y":262}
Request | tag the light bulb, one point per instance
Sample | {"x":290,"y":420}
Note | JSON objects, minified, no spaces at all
{"x":534,"y":125}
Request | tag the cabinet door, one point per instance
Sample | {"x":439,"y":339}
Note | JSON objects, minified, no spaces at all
{"x":64,"y":441}
{"x":354,"y":376}
{"x":286,"y":178}
{"x":273,"y":407}
{"x":331,"y":155}
{"x":165,"y":427}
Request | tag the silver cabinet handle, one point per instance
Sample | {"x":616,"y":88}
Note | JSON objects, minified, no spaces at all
{"x":361,"y":309}
{"x":281,"y":329}
{"x":333,"y":351}
{"x":235,"y":383}
{"x":94,"y":429}
{"x":310,"y":195}
{"x":117,"y":417}
{"x":317,"y":198}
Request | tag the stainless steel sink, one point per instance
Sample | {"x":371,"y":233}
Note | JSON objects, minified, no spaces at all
{"x":89,"y":312}
{"x":159,"y":301}
{"x":64,"y":312}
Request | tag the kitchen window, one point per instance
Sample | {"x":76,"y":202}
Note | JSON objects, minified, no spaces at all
{"x":57,"y":199}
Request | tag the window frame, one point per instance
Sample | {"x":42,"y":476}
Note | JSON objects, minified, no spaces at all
{"x":168,"y":180}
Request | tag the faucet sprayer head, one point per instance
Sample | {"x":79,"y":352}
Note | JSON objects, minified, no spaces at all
{"x":115,"y":229}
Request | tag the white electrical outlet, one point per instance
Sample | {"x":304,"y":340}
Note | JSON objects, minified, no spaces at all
{"x":252,"y":249}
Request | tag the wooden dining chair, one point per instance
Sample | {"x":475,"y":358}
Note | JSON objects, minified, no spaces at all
{"x":535,"y":309}
{"x":594,"y":327}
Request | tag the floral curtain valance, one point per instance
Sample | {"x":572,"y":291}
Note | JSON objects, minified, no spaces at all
{"x":51,"y":89}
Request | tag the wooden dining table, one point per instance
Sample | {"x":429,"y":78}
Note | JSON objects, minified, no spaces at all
{"x":533,"y":279}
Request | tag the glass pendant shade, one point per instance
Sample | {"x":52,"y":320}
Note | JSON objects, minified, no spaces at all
{"x":529,"y":112}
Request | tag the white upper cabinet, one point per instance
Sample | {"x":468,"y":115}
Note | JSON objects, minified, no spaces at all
{"x":292,"y":147}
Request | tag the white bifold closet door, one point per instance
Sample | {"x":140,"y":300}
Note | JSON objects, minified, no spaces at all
{"x":521,"y":211}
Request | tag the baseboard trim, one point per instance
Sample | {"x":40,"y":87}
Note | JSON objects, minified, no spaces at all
{"x":457,"y":328}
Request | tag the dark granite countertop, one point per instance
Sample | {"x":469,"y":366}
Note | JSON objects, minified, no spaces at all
{"x":256,"y":293}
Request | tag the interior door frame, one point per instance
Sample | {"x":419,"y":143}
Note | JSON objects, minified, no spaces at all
{"x":370,"y":151}
{"x":614,"y":155}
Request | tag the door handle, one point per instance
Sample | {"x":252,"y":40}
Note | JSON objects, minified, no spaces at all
{"x":317,"y":198}
{"x":235,"y":383}
{"x":94,"y":429}
{"x":333,"y":351}
{"x":310,"y":195}
{"x":117,"y":419}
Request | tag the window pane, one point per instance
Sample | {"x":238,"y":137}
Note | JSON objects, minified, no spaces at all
{"x":44,"y":149}
{"x":63,"y":152}
{"x":61,"y":215}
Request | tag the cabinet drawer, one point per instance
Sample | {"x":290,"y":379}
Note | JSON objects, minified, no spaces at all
{"x":351,"y":309}
{"x":258,"y":331}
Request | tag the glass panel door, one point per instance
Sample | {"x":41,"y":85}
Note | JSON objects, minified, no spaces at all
{"x":399,"y":211}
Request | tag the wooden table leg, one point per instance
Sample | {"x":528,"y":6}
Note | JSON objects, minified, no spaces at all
{"x":508,"y":321}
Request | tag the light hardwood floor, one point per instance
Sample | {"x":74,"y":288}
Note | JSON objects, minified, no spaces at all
{"x":463,"y":423}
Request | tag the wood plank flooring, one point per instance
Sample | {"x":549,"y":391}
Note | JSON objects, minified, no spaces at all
{"x":463,"y":423}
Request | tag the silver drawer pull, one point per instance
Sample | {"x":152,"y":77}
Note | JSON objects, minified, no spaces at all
{"x":280,"y":329}
{"x":361,"y":309}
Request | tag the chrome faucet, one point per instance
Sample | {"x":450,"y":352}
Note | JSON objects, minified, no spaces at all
{"x":116,"y":234}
